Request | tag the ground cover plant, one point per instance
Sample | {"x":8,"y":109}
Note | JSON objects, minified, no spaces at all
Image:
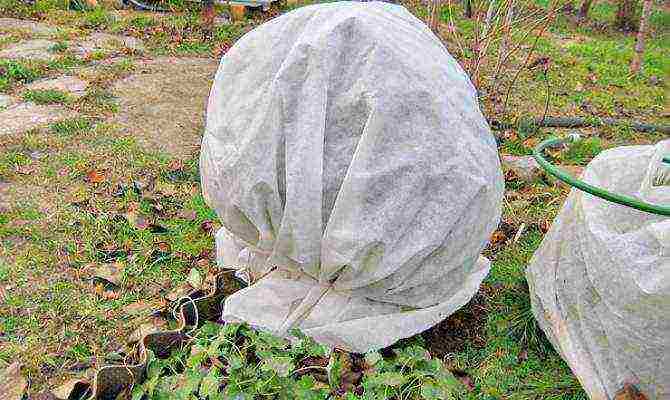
{"x":103,"y":227}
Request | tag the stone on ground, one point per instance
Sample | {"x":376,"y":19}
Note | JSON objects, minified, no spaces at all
{"x":524,"y":167}
{"x":36,"y":28}
{"x":73,"y":85}
{"x":36,"y":49}
{"x":26,"y":116}
{"x":6,"y":101}
{"x":163,"y":104}
{"x":106,"y":42}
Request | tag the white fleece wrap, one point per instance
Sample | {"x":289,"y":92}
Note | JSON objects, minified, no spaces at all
{"x":345,"y":152}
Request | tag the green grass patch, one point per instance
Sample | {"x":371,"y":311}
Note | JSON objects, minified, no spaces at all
{"x":22,"y":72}
{"x":47,"y":96}
{"x":142,"y":22}
{"x":194,"y":47}
{"x":70,"y":127}
{"x":582,"y":151}
{"x":59,"y":47}
{"x":96,"y":18}
{"x":98,"y":100}
{"x":15,"y":71}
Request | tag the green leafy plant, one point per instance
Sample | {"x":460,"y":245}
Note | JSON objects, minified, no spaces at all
{"x":14,"y":71}
{"x":236,"y":362}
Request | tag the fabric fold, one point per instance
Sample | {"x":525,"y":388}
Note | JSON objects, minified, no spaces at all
{"x":355,"y":177}
{"x":600,"y":280}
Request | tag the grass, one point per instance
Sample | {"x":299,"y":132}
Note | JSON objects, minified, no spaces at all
{"x":12,"y":72}
{"x":583,"y":151}
{"x":98,"y":17}
{"x":47,"y":96}
{"x":59,"y":47}
{"x":81,"y":195}
{"x":70,"y":127}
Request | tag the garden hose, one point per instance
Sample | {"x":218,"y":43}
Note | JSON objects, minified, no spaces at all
{"x":594,"y":190}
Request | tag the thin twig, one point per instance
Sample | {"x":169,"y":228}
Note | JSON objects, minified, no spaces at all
{"x":546,"y":104}
{"x":523,"y":66}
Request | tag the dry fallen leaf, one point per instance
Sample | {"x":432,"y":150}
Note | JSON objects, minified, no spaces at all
{"x":94,"y":176}
{"x":176,"y":165}
{"x":178,"y":292}
{"x":531,"y":142}
{"x":110,"y":295}
{"x":99,"y":289}
{"x":194,"y":278}
{"x":139,"y":307}
{"x":188,"y":215}
{"x":498,"y":237}
{"x":133,"y":206}
{"x":26,"y":169}
{"x":12,"y":384}
{"x":109,"y":272}
{"x":141,"y":331}
{"x":207,"y":226}
{"x":70,"y":389}
{"x":163,"y":247}
{"x":630,"y":392}
{"x":166,"y":189}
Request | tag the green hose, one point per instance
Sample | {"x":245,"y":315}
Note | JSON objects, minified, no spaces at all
{"x":594,"y":190}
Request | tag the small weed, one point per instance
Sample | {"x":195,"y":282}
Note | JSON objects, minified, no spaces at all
{"x":515,"y":147}
{"x":182,"y":22}
{"x":17,"y":71}
{"x":97,"y":18}
{"x":4,"y":267}
{"x":97,"y":55}
{"x":47,"y":96}
{"x":194,"y":47}
{"x":522,"y":325}
{"x":226,"y":33}
{"x":125,"y":65}
{"x":261,"y":365}
{"x":70,"y":127}
{"x":59,"y":47}
{"x":98,"y":100}
{"x":583,"y":151}
{"x":142,"y":22}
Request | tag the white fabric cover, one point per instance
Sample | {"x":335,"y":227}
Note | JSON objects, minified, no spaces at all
{"x":600,"y":281}
{"x":353,"y":172}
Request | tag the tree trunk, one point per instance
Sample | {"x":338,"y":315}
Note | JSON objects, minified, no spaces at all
{"x":467,"y":4}
{"x":639,"y":44}
{"x":626,"y":15}
{"x":584,"y":10}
